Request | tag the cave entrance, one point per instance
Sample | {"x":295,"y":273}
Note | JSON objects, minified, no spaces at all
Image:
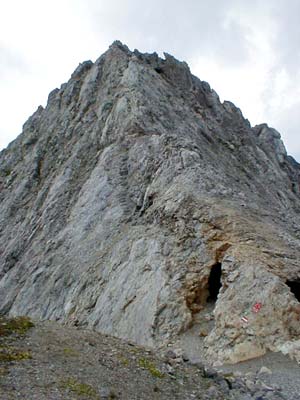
{"x":295,"y":288}
{"x":214,"y":283}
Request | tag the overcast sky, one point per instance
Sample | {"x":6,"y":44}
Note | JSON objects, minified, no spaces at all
{"x":249,"y":51}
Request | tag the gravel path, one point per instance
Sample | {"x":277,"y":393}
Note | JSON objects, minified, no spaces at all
{"x":283,"y":374}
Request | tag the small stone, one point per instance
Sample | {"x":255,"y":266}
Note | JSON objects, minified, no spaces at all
{"x":260,"y":396}
{"x":203,"y":333}
{"x":245,"y":396}
{"x":200,"y":366}
{"x":250,"y":384}
{"x":223,"y":385}
{"x":217,"y":363}
{"x":239,"y":383}
{"x":264,"y":370}
{"x":170,"y":354}
{"x":237,"y":373}
{"x":266,"y":387}
{"x":170,"y":369}
{"x":107,"y":393}
{"x":210,"y":373}
{"x":271,"y":396}
{"x":212,"y":391}
{"x":178,"y":352}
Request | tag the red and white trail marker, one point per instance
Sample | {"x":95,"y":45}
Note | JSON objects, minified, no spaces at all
{"x":256,"y":307}
{"x":244,"y":319}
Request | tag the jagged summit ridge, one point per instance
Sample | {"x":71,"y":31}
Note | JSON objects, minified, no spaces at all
{"x":122,"y":195}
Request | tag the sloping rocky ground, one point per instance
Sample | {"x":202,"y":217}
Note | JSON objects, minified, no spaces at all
{"x":47,"y":361}
{"x":136,"y":198}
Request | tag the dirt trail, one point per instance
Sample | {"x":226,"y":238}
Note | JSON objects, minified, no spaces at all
{"x":283,"y":373}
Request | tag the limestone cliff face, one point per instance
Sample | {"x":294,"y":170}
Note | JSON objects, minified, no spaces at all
{"x":134,"y":183}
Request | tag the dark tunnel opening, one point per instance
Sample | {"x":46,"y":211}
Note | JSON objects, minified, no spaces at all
{"x":214,"y":282}
{"x":295,"y":288}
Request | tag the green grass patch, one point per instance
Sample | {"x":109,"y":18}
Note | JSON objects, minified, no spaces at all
{"x":3,"y":371}
{"x":70,"y":352}
{"x":18,"y":325}
{"x":124,"y":361}
{"x":81,"y":389}
{"x":8,"y":354}
{"x":146,"y":364}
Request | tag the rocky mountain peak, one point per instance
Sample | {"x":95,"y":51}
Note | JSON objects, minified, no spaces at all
{"x":138,"y":204}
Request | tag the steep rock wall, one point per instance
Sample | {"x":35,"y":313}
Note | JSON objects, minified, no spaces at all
{"x":119,"y":198}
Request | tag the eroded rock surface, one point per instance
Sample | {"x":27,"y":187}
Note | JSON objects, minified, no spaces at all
{"x":122,"y":195}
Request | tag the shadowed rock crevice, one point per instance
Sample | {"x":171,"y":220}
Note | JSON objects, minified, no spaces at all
{"x":214,"y":283}
{"x":295,"y":288}
{"x":203,"y":293}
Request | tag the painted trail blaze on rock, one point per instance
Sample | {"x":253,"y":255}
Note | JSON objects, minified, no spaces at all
{"x":256,"y":308}
{"x":123,"y":194}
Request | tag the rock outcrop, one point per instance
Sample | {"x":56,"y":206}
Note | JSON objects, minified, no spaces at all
{"x":136,"y":198}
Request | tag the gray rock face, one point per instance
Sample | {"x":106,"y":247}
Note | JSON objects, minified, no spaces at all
{"x":120,"y":198}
